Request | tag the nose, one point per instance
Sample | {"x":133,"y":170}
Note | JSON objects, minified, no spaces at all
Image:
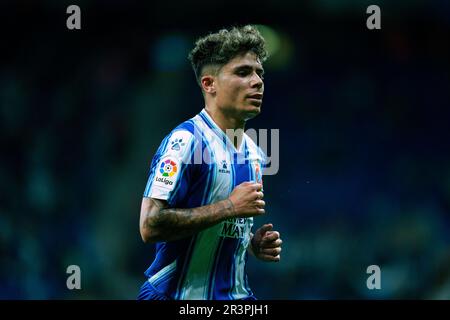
{"x":256,"y":81}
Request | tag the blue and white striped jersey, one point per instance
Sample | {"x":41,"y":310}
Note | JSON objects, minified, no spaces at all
{"x":196,"y":165}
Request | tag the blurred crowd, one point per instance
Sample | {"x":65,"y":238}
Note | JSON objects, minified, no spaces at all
{"x":364,"y":173}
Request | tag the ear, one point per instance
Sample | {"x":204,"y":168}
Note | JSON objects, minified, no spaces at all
{"x":208,"y":84}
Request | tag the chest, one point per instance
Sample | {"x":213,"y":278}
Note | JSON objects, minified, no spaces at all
{"x":229,"y":170}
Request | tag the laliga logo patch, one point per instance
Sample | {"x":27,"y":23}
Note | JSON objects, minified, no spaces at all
{"x":167,"y":173}
{"x":168,"y":168}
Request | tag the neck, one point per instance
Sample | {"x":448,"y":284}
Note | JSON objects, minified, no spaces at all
{"x":225,"y":121}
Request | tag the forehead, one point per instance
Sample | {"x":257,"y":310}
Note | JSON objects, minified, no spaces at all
{"x":244,"y":59}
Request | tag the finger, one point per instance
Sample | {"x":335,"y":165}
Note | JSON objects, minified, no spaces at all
{"x":264,"y":228}
{"x":270,"y":258}
{"x":259,"y":195}
{"x":260,"y":203}
{"x":271,"y":251}
{"x":257,"y":186}
{"x":271,"y":244}
{"x":271,"y":236}
{"x":260,"y":211}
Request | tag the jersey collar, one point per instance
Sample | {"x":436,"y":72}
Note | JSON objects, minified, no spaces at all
{"x":214,"y":127}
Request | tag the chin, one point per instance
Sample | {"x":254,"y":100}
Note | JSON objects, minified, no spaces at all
{"x":251,"y":112}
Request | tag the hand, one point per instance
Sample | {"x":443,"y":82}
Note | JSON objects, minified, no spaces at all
{"x":266,"y":244}
{"x":246,"y":200}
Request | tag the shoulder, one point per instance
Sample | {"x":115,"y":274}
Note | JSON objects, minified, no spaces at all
{"x":181,"y":134}
{"x":186,"y":126}
{"x":192,"y":128}
{"x":182,"y":140}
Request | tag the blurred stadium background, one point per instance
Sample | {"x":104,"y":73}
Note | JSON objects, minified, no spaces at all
{"x":363,"y":116}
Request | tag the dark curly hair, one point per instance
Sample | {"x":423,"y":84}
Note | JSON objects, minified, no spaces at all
{"x":217,"y":49}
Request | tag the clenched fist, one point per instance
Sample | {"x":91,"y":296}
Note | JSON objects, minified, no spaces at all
{"x":266,"y":244}
{"x":247,"y":200}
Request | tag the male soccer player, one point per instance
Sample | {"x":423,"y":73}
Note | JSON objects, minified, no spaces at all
{"x":204,"y":188}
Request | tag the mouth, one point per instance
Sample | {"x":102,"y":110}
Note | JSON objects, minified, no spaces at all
{"x":256,"y":99}
{"x":255,"y":96}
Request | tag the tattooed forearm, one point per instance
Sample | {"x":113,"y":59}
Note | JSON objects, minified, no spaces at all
{"x":168,"y":224}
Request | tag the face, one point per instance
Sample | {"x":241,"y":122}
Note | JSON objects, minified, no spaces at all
{"x":239,"y":87}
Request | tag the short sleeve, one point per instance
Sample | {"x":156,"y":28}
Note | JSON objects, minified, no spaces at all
{"x":169,"y":170}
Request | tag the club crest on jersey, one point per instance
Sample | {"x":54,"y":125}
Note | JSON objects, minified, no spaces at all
{"x":167,"y":172}
{"x":223,"y":167}
{"x":258,"y":174}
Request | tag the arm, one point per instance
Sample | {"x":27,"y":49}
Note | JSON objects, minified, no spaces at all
{"x":158,"y":222}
